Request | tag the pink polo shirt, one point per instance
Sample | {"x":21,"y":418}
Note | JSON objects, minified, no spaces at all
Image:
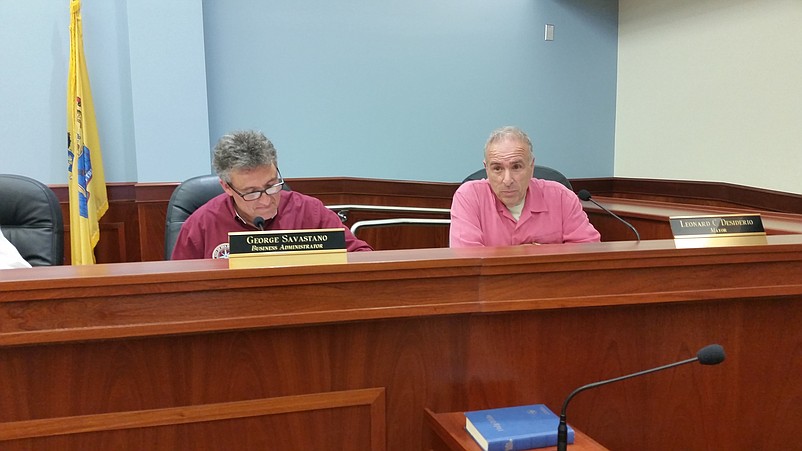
{"x":551,"y":214}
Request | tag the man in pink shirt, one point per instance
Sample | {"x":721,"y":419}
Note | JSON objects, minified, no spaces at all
{"x":511,"y":207}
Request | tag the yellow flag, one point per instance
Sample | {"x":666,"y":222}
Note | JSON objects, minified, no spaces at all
{"x":88,"y":201}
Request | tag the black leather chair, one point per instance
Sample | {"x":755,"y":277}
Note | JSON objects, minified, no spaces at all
{"x":188,"y":197}
{"x":30,"y":217}
{"x":541,"y":172}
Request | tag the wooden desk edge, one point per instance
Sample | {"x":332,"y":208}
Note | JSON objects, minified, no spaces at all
{"x":450,"y":428}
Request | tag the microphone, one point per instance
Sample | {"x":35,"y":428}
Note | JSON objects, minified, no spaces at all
{"x":709,"y":355}
{"x":585,"y":195}
{"x":259,"y":222}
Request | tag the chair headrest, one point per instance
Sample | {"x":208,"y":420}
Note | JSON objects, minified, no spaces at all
{"x":30,"y":217}
{"x":191,"y":195}
{"x":188,"y":197}
{"x":540,"y":172}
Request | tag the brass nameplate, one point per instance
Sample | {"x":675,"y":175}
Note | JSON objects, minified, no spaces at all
{"x":286,"y":248}
{"x":717,"y":230}
{"x":286,"y":241}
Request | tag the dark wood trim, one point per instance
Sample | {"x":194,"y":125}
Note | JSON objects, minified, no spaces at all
{"x":438,"y":194}
{"x":402,"y":193}
{"x":133,"y":229}
{"x":693,"y":192}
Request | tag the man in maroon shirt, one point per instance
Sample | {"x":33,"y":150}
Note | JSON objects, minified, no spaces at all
{"x":247,"y":165}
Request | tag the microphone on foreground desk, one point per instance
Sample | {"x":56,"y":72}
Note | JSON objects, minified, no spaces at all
{"x":259,"y":222}
{"x":709,"y":355}
{"x":585,"y":195}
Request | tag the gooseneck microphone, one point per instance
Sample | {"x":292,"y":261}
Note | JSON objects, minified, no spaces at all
{"x":259,"y":222}
{"x":585,"y":195}
{"x":709,"y":355}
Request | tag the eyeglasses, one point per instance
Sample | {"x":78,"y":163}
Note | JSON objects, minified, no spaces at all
{"x":253,"y":195}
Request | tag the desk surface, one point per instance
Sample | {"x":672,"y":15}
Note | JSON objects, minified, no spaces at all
{"x":189,"y":295}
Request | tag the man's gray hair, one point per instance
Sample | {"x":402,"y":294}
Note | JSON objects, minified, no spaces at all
{"x":507,"y":133}
{"x":242,"y":150}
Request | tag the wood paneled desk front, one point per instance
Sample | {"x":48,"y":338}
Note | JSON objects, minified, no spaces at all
{"x":192,"y":355}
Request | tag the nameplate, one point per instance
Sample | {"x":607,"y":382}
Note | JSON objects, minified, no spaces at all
{"x":286,"y":248}
{"x":717,"y":230}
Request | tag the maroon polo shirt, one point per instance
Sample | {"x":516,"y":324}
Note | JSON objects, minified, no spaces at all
{"x":205,"y":232}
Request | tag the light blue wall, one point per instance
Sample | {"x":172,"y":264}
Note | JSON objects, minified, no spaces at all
{"x":383,"y":89}
{"x":33,"y":81}
{"x":168,"y":89}
{"x":146,"y":66}
{"x":411,"y":89}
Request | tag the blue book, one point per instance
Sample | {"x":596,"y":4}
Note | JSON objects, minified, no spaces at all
{"x":514,"y":428}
